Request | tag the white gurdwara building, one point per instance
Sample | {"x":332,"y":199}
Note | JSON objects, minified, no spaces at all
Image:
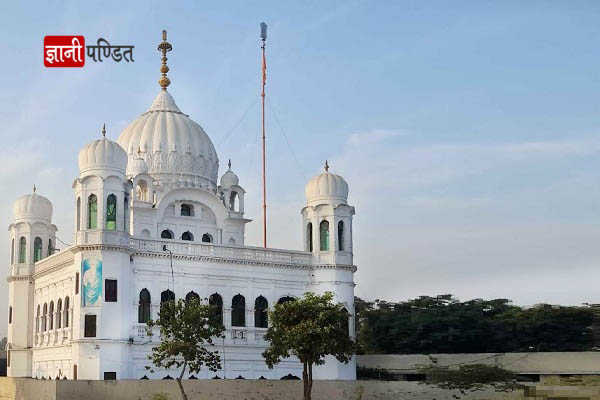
{"x":153,"y":224}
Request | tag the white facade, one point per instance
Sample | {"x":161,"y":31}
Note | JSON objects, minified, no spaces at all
{"x":155,"y":187}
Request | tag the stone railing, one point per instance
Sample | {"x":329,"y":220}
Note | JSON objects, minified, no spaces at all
{"x":229,"y":252}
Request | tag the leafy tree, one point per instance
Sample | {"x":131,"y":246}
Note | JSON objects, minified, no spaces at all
{"x":186,"y":327}
{"x":309,"y":329}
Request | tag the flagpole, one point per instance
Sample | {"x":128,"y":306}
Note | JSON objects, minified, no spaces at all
{"x":263,"y":35}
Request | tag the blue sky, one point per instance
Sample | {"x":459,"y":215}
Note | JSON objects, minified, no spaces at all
{"x":468,"y":131}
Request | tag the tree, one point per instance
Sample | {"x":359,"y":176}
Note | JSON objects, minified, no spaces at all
{"x":186,"y":327}
{"x":309,"y":329}
{"x":470,"y":377}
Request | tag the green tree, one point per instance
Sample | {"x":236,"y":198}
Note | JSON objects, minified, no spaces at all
{"x":309,"y":329}
{"x":470,"y":377}
{"x":186,"y":329}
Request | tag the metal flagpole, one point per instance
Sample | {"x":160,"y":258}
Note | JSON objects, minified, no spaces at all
{"x":263,"y":36}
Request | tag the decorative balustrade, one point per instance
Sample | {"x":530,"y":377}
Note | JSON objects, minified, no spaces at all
{"x":222,"y":251}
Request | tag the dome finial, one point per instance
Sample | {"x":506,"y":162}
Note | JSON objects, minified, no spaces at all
{"x":326,"y":166}
{"x":34,"y":188}
{"x":103,"y":130}
{"x":229,"y":164}
{"x":164,"y":47}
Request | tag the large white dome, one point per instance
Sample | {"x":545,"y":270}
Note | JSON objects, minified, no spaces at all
{"x":102,"y":155}
{"x":174,"y":146}
{"x":32,"y":206}
{"x":325,"y":188}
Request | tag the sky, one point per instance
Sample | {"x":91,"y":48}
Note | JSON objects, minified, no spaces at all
{"x":468,"y":131}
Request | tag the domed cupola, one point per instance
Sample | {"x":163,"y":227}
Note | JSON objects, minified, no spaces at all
{"x":175,"y":148}
{"x":32,"y":207}
{"x":136,"y":165}
{"x":102,"y":156}
{"x":229,"y":178}
{"x":326,"y":187}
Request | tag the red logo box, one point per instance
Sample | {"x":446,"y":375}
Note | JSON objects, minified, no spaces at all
{"x":64,"y":51}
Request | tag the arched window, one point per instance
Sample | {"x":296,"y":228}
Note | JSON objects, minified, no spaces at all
{"x":341,"y":236}
{"x":79,"y":213}
{"x":324,"y":235}
{"x":231,"y":241}
{"x":12,"y":251}
{"x":126,"y":216}
{"x":192,"y":295}
{"x":141,"y":190}
{"x":59,"y":314}
{"x":144,"y":306}
{"x":285,"y":299}
{"x":37,"y":320}
{"x":145,"y":233}
{"x":37,"y":249}
{"x":50,"y":247}
{"x":10,"y":314}
{"x":216,"y":301}
{"x":309,"y":236}
{"x":22,"y":249}
{"x":44,"y":317}
{"x":51,"y":315}
{"x":238,"y":311}
{"x":232,"y":201}
{"x":166,"y":234}
{"x":187,"y":236}
{"x":92,"y":222}
{"x":167,"y":295}
{"x":187,"y":210}
{"x":206,"y":238}
{"x":261,"y":312}
{"x":66,"y":312}
{"x":111,"y":213}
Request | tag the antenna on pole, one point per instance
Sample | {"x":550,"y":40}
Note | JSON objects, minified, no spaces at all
{"x":263,"y":36}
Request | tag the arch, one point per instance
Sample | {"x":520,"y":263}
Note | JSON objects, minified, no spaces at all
{"x":206,"y":238}
{"x":216,"y":301}
{"x":309,"y":236}
{"x":37,"y":249}
{"x":192,"y":295}
{"x":66,"y":318}
{"x":231,"y":241}
{"x":144,"y":306}
{"x":324,"y":235}
{"x":238,"y":310}
{"x":78,"y":213}
{"x":111,"y":213}
{"x":51,"y":315}
{"x":12,"y":251}
{"x":233,"y":196}
{"x":92,"y":220}
{"x":341,"y":236}
{"x":167,"y":295}
{"x":141,"y":190}
{"x":44,"y":317}
{"x":261,"y":312}
{"x":146,"y":233}
{"x":59,"y":314}
{"x":187,"y":210}
{"x":166,"y":234}
{"x":290,"y":377}
{"x":187,"y":236}
{"x":285,"y":299}
{"x":22,"y":249}
{"x":9,"y":315}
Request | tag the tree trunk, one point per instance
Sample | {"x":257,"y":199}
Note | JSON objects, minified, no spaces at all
{"x":183,"y":395}
{"x":305,"y":381}
{"x":310,"y":381}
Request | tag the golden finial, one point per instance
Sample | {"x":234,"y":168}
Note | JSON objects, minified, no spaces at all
{"x":103,"y":130}
{"x":164,"y":47}
{"x":326,"y":166}
{"x":229,"y":164}
{"x":34,"y":188}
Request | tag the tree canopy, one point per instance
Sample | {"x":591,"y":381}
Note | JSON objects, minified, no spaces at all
{"x":443,"y":324}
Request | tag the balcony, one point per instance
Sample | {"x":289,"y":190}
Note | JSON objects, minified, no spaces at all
{"x":246,"y":253}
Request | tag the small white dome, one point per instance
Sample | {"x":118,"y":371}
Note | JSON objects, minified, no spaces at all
{"x":102,"y":154}
{"x":326,"y":187}
{"x":229,"y":178}
{"x":136,"y":166}
{"x":33,"y":206}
